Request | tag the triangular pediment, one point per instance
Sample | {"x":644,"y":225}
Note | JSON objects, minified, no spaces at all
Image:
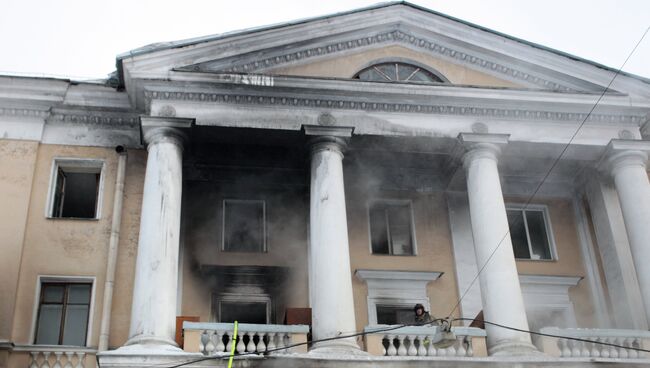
{"x":335,"y":46}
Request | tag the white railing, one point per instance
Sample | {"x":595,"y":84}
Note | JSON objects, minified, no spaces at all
{"x":568,"y":348}
{"x":419,"y":341}
{"x":217,"y":338}
{"x":56,"y":356}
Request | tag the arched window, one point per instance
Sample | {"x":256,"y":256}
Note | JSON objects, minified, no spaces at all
{"x":397,"y":72}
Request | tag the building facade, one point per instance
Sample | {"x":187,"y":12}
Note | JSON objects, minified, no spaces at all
{"x":319,"y":178}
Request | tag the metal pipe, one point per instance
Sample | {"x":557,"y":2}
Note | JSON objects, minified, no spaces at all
{"x":111,"y":262}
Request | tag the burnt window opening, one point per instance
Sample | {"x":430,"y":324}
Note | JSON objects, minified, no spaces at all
{"x":394,"y":315}
{"x":391,"y":228}
{"x":63,"y":314}
{"x":244,"y":228}
{"x":76,"y":189}
{"x":244,"y":312}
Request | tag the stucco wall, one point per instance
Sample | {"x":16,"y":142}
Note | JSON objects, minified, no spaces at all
{"x":68,"y":247}
{"x":17,"y":162}
{"x":347,"y":66}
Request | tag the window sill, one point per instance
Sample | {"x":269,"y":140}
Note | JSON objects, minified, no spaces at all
{"x":62,"y":348}
{"x":393,"y":255}
{"x":72,"y":218}
{"x":534,"y":260}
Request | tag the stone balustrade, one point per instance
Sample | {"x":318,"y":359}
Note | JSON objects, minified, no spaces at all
{"x":216,"y":338}
{"x":57,"y":356}
{"x":567,"y":348}
{"x":418,"y":341}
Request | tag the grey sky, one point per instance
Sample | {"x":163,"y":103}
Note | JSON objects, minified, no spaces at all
{"x":80,"y":38}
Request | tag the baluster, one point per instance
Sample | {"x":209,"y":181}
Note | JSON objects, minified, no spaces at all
{"x":622,"y":352}
{"x":431,"y":351}
{"x":81,"y":359}
{"x":392,"y":350}
{"x":46,"y":361}
{"x":603,"y":349}
{"x":470,"y":347}
{"x":451,"y":351}
{"x":68,"y":355}
{"x":575,"y":348}
{"x":613,"y":352}
{"x":401,"y":351}
{"x":460,"y":351}
{"x":281,"y":343}
{"x":564,"y":348}
{"x":208,"y":347}
{"x":34,"y":359}
{"x":261,"y":347}
{"x":241,"y":348}
{"x":383,"y":348}
{"x":220,"y":346}
{"x":584,"y":351}
{"x":271,"y":345}
{"x":595,"y":348}
{"x":204,"y":336}
{"x":251,"y":344}
{"x":634,"y":343}
{"x":424,"y":342}
{"x":289,"y":341}
{"x":412,"y":351}
{"x":57,"y":357}
{"x":442,"y":352}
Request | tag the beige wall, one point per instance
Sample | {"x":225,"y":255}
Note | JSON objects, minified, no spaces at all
{"x":17,"y":162}
{"x":569,"y":260}
{"x":68,"y":247}
{"x":347,"y":66}
{"x":433,"y":247}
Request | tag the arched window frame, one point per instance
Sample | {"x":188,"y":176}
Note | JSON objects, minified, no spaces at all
{"x":404,"y":61}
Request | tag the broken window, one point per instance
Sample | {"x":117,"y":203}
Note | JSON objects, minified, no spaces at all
{"x":244,"y":226}
{"x":391,"y":228}
{"x":75,"y":191}
{"x":530,"y":234}
{"x":63,"y":314}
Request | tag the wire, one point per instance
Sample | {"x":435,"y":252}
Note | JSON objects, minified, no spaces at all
{"x":551,"y":169}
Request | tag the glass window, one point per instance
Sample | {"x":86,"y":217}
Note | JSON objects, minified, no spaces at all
{"x":391,"y":228}
{"x":244,"y":226}
{"x":75,"y":191}
{"x":529,"y":234}
{"x":63,"y":314}
{"x":397,"y":72}
{"x":395,"y":315}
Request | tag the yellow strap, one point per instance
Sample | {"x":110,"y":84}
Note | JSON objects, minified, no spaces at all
{"x":232,"y":348}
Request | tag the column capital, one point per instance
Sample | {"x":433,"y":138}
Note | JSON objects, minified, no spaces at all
{"x":477,"y":145}
{"x":622,"y":153}
{"x":154,"y":129}
{"x":327,"y":138}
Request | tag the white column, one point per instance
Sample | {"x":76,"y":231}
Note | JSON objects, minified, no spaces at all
{"x":499,"y":280}
{"x":153,"y":311}
{"x":330,"y":278}
{"x":627,"y":163}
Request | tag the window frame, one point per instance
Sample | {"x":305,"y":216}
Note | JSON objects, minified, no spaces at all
{"x":394,"y":202}
{"x":415,"y":63}
{"x":47,"y":279}
{"x":218,"y":298}
{"x":547,"y":224}
{"x":223,"y":224}
{"x":79,"y":165}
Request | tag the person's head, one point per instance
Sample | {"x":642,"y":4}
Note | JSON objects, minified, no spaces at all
{"x":418,"y":309}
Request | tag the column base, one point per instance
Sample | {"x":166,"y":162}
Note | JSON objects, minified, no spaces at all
{"x":513,"y":348}
{"x":341,"y":347}
{"x":145,"y":356}
{"x":151,"y":340}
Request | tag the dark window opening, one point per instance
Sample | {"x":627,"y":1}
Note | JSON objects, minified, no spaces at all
{"x":529,"y":235}
{"x":391,"y":228}
{"x":244,"y":312}
{"x":63,"y":314}
{"x":244,"y":226}
{"x":75,"y":194}
{"x":394,"y":315}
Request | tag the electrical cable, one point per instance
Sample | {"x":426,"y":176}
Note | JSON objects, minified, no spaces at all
{"x":555,"y":162}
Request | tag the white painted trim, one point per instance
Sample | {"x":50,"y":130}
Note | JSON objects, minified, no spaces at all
{"x":549,"y":293}
{"x":547,"y":222}
{"x":40,"y":279}
{"x":396,"y":288}
{"x":411,"y":221}
{"x":590,"y":261}
{"x":90,"y":165}
{"x":223,"y":222}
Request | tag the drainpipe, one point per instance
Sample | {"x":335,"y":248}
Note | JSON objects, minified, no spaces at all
{"x":111,"y":263}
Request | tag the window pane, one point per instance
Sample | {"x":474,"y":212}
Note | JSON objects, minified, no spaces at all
{"x":244,"y":226}
{"x":404,"y":71}
{"x":53,"y":293}
{"x":538,"y":235}
{"x":371,"y":75}
{"x":388,"y":70}
{"x":251,"y":312}
{"x":76,"y":320}
{"x":80,"y":195}
{"x":378,"y":229}
{"x":79,"y":294}
{"x":422,"y":76}
{"x":49,"y":324}
{"x":518,"y":234}
{"x":399,"y":219}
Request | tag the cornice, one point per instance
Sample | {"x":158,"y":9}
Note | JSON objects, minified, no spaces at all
{"x":24,"y":112}
{"x":127,"y":120}
{"x":421,"y":43}
{"x":349,"y":103}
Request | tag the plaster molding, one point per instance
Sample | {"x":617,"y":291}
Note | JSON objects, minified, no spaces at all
{"x":426,"y":44}
{"x":95,"y":118}
{"x":165,"y":129}
{"x":622,"y":152}
{"x":24,"y":112}
{"x":385,"y":275}
{"x":390,"y":107}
